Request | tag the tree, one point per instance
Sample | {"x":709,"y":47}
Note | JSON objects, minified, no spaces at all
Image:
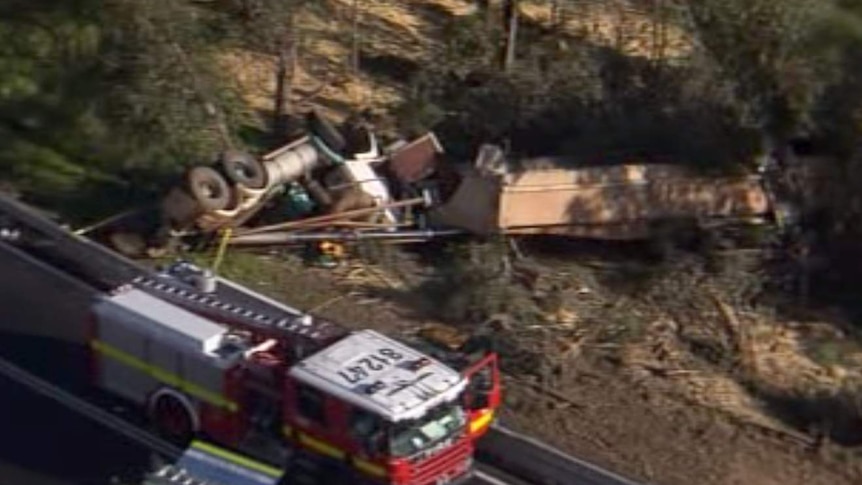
{"x":163,"y":81}
{"x":94,"y":91}
{"x":270,"y":27}
{"x":771,"y":51}
{"x":510,"y":27}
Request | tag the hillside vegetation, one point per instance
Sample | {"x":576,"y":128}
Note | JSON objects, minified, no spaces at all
{"x":743,"y":364}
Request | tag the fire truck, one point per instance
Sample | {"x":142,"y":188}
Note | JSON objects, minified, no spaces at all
{"x":215,"y":365}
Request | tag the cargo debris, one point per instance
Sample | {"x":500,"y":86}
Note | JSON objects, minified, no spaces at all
{"x":321,"y":188}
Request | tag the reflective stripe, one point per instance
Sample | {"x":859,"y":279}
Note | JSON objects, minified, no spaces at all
{"x":237,"y":459}
{"x":162,"y":375}
{"x":370,"y":468}
{"x":333,"y":451}
{"x":482,"y":421}
{"x":321,"y":446}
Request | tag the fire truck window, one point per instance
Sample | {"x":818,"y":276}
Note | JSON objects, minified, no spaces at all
{"x":367,"y":431}
{"x":311,"y":404}
{"x":481,"y":384}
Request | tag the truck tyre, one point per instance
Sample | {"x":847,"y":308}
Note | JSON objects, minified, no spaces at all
{"x":209,"y":188}
{"x":128,"y":243}
{"x":173,"y":418}
{"x":326,"y":131}
{"x":243,"y":169}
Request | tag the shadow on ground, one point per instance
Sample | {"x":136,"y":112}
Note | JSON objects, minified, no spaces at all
{"x":836,"y":416}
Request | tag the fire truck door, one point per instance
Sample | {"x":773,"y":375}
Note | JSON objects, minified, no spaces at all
{"x":482,"y":396}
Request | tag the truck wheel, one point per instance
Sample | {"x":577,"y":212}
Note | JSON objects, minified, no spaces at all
{"x":208,"y":188}
{"x":173,"y":419}
{"x":128,"y":244}
{"x":326,"y":131}
{"x":243,"y":169}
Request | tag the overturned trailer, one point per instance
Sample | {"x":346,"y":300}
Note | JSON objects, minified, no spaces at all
{"x":622,"y":202}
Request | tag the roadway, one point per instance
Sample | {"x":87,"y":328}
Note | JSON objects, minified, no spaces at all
{"x":46,"y":443}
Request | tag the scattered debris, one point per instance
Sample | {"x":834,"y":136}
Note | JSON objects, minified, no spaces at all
{"x":338,"y":184}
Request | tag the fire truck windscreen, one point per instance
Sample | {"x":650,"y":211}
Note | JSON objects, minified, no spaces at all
{"x":410,"y":437}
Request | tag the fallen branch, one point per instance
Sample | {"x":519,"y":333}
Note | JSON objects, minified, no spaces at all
{"x":109,"y":220}
{"x":332,"y":217}
{"x":737,"y":332}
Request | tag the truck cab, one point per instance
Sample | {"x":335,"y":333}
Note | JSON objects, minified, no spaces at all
{"x":290,"y":389}
{"x":391,"y":413}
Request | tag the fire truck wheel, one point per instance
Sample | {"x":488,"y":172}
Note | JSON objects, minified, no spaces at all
{"x":173,"y":419}
{"x":243,"y":169}
{"x":209,"y":188}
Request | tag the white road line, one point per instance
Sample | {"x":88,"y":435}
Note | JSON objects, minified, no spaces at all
{"x":488,"y":478}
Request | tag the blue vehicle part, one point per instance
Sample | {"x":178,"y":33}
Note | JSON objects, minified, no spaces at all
{"x":206,"y":464}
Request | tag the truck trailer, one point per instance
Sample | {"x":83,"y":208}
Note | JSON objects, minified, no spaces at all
{"x":615,"y":202}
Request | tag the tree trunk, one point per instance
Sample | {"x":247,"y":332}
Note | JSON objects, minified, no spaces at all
{"x":484,"y":7}
{"x":510,"y":24}
{"x":279,"y":109}
{"x":284,"y":76}
{"x":356,"y":40}
{"x":558,"y":14}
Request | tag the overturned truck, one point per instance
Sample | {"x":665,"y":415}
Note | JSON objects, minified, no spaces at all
{"x":620,"y":202}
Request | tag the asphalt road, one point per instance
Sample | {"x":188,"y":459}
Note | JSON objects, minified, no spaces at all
{"x":44,"y":443}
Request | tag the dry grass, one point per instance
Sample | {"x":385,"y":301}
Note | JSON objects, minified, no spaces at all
{"x":764,"y":375}
{"x":617,"y":25}
{"x":412,"y":31}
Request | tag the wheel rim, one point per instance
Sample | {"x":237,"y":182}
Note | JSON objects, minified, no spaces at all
{"x":173,"y":419}
{"x":242,"y":171}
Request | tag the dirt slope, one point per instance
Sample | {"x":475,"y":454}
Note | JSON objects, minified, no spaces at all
{"x":399,"y":35}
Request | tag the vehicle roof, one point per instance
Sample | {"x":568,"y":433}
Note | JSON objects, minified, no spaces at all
{"x":349,"y":367}
{"x":156,"y":317}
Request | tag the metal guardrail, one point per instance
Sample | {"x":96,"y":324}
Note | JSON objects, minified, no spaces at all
{"x":537,"y":462}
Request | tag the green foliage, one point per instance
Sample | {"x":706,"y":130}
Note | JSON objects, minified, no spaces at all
{"x":476,"y":284}
{"x":95,"y":93}
{"x":777,"y":54}
{"x":757,"y":68}
{"x":567,"y":96}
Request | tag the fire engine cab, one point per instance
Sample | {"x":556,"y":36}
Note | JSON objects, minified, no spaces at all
{"x":234,"y":368}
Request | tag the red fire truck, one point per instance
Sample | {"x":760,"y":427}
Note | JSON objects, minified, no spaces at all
{"x":211,"y":360}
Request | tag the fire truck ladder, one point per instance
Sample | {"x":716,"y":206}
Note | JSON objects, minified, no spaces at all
{"x":271,"y":321}
{"x":106,"y":271}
